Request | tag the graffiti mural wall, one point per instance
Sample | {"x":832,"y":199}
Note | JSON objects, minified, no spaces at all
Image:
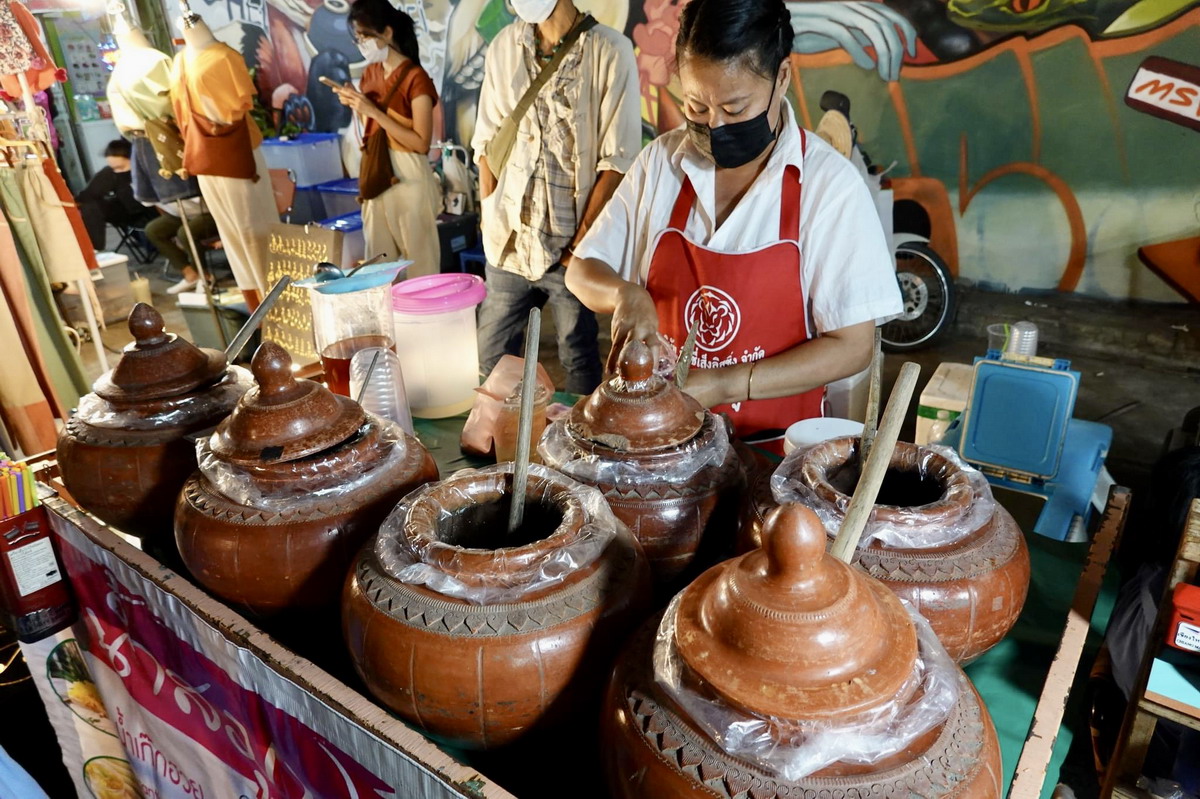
{"x":1038,"y":144}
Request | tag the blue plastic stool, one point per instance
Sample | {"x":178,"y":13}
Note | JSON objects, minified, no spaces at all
{"x":473,"y":260}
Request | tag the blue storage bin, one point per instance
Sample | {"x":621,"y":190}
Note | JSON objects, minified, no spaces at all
{"x":312,"y":157}
{"x":339,"y":197}
{"x":353,"y":242}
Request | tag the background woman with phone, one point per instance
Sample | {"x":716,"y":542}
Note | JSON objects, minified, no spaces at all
{"x":400,"y":199}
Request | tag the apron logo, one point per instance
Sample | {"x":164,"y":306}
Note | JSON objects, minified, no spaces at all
{"x":719,"y":316}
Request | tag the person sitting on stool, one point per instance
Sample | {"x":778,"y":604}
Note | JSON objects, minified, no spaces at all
{"x":166,"y":230}
{"x":108,"y":198}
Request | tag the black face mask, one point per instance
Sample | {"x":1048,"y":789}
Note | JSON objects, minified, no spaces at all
{"x":738,"y":143}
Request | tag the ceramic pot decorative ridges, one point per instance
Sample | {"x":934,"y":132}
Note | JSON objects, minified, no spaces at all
{"x":851,"y":647}
{"x":971,"y":590}
{"x":124,"y":455}
{"x":279,"y":534}
{"x":479,"y":673}
{"x":665,"y":465}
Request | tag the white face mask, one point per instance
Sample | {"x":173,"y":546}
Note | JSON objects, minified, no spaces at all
{"x":534,"y":12}
{"x":373,"y":52}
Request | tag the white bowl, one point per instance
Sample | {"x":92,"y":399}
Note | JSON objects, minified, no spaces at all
{"x":808,"y":432}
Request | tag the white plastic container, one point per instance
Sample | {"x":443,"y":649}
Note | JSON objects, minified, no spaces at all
{"x":943,"y":400}
{"x":434,"y":317}
{"x":312,"y":157}
{"x":810,"y":432}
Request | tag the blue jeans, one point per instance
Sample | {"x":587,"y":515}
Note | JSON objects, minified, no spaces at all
{"x":504,"y":315}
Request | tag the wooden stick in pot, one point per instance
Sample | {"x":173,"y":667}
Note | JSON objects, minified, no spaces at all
{"x":874,"y":388}
{"x":876,"y":465}
{"x":529,"y":387}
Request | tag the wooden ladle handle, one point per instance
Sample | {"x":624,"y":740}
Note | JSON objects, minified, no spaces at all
{"x":872,"y":472}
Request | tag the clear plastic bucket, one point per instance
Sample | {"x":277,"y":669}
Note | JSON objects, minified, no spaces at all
{"x":434,"y":318}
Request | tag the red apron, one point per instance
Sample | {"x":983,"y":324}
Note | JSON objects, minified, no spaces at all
{"x":751,"y":305}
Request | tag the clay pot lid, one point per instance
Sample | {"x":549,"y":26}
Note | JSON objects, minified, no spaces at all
{"x":637,"y":410}
{"x":282,"y":418}
{"x":157,"y":364}
{"x":791,"y":632}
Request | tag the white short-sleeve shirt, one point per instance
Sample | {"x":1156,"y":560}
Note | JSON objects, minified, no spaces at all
{"x":849,"y":275}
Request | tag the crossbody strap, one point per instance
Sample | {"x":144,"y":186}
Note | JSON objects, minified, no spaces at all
{"x":548,"y":70}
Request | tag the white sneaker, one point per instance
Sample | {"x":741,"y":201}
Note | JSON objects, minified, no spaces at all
{"x":183,"y":285}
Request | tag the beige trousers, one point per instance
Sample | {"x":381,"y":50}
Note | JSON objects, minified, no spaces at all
{"x":402,"y":222}
{"x":244,"y":211}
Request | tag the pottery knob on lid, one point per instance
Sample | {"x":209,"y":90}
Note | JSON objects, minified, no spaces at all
{"x":282,"y":418}
{"x":637,"y":410}
{"x":157,"y":364}
{"x":791,"y":632}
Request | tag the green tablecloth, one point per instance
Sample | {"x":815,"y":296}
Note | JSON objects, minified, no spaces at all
{"x":1010,"y":676}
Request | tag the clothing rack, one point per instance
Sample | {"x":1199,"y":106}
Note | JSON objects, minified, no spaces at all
{"x":40,"y":137}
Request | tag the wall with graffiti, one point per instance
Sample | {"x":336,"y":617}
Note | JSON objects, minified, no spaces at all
{"x":1038,"y":144}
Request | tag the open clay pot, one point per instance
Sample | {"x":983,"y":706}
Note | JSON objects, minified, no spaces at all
{"x":291,"y":485}
{"x":476,"y":636}
{"x":665,"y":465}
{"x":953,"y":552}
{"x":124,"y":455}
{"x":769,"y":664}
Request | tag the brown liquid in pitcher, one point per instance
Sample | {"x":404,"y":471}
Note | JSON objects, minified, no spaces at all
{"x":337,"y":356}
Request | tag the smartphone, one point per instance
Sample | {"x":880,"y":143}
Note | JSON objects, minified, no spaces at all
{"x":331,"y":83}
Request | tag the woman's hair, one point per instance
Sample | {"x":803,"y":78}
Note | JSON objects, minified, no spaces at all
{"x":375,"y":15}
{"x":757,"y":31}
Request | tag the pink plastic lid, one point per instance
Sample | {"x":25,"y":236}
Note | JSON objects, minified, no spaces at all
{"x":434,"y":294}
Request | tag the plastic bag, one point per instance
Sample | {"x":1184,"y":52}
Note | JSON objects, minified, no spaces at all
{"x":315,"y":481}
{"x":792,"y":751}
{"x":185,"y":411}
{"x":480,"y":426}
{"x":409,"y":550}
{"x":559,"y":451}
{"x":965,"y":505}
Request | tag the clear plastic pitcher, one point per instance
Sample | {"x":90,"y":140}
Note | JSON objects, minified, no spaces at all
{"x":346,"y":319}
{"x":383,"y":394}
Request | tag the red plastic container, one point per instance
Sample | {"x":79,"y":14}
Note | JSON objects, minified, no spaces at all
{"x":1184,"y":631}
{"x":35,"y":600}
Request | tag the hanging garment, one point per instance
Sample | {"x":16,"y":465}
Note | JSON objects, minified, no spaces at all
{"x":16,"y":54}
{"x":244,"y":211}
{"x":19,"y":250}
{"x":149,"y":186}
{"x":402,"y":221}
{"x":139,"y":87}
{"x":729,"y":292}
{"x":41,"y":73}
{"x":60,"y":383}
{"x":50,"y":169}
{"x":56,"y":238}
{"x":23,"y":402}
{"x":212,"y":93}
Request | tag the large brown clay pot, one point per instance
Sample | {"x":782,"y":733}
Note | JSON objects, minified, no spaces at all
{"x":665,"y":465}
{"x":937,"y":537}
{"x":289,"y":488}
{"x":477,"y":636}
{"x":790,"y":646}
{"x":124,"y":454}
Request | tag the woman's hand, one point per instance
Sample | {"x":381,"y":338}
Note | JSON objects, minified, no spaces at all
{"x":711,"y":387}
{"x":634,"y":318}
{"x":358,"y":102}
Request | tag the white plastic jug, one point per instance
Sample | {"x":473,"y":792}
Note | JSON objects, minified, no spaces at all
{"x":434,"y":318}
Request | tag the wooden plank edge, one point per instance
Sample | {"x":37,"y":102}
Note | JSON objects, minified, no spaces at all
{"x":360,"y":710}
{"x":1036,"y":753}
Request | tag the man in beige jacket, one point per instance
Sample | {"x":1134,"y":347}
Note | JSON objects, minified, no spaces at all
{"x":573,"y":145}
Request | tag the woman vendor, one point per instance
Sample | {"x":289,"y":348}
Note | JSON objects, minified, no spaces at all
{"x":746,"y":224}
{"x":398,"y":191}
